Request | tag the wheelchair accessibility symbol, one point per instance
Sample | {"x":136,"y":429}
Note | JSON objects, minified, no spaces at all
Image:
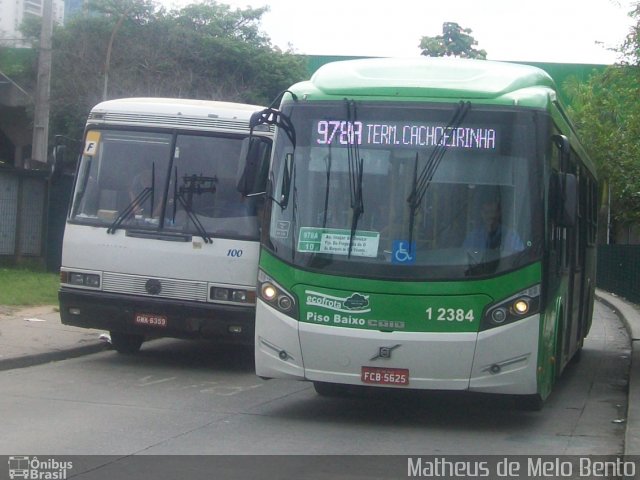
{"x":402,"y":253}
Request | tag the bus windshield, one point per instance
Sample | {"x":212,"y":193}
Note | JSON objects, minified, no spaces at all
{"x":183,"y":183}
{"x":381,"y":190}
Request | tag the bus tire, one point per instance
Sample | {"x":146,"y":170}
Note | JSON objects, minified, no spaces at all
{"x":126,"y":343}
{"x":325,"y":389}
{"x":577,"y":356}
{"x":530,"y":403}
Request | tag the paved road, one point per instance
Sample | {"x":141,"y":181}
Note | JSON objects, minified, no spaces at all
{"x":179,"y":397}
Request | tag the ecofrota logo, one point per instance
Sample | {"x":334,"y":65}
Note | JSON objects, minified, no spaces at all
{"x":37,"y":469}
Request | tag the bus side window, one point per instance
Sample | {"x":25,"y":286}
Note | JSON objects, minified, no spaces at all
{"x":556,"y":232}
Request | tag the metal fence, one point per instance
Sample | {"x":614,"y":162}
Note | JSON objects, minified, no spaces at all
{"x":619,"y":270}
{"x":23,"y":201}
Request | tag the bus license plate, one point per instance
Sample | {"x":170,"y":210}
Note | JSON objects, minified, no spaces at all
{"x":151,"y":320}
{"x":385,"y":376}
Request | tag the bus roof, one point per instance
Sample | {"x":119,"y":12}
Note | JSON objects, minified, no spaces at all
{"x":174,"y":113}
{"x":433,"y":78}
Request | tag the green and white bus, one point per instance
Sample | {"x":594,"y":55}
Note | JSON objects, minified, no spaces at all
{"x":430,"y":224}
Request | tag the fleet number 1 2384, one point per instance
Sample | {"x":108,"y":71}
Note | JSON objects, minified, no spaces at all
{"x":450,"y":314}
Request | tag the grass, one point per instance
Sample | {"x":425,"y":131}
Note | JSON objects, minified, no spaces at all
{"x":28,"y":287}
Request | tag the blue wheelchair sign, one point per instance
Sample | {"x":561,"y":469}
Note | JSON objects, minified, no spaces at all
{"x":402,"y":253}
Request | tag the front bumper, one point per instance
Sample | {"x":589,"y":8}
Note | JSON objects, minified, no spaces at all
{"x":500,"y":360}
{"x":117,"y":312}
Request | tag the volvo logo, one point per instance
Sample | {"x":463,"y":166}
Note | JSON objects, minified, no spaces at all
{"x":153,"y":286}
{"x":385,"y":352}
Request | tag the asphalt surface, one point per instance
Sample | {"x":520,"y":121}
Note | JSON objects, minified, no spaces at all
{"x":34,"y":336}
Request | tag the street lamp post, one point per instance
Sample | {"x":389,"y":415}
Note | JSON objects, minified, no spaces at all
{"x":43,"y":89}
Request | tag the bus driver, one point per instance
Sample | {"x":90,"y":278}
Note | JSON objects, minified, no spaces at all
{"x":491,"y":234}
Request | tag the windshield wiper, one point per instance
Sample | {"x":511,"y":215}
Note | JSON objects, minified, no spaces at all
{"x":175,"y":196}
{"x":294,"y":218}
{"x":356,"y":165}
{"x":413,"y":205}
{"x":421,"y":182}
{"x":135,"y":203}
{"x":138,"y":201}
{"x":196,"y":184}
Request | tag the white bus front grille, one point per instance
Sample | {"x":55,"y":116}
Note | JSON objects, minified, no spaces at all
{"x":169,"y":288}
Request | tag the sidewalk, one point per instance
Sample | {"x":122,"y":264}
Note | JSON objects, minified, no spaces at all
{"x":35,"y":335}
{"x":31,"y":336}
{"x":630,"y":316}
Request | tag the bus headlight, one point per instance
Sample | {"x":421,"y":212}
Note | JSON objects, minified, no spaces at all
{"x":80,"y":279}
{"x":519,"y":306}
{"x":269,"y":292}
{"x":232,"y":295}
{"x":275,"y":295}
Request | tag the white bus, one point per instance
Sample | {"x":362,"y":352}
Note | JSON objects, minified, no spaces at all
{"x":159,"y":242}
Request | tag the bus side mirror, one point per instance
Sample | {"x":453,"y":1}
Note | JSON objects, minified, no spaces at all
{"x":58,"y":159}
{"x":561,"y":142}
{"x":61,"y":161}
{"x":254,"y":159}
{"x":565,"y":193}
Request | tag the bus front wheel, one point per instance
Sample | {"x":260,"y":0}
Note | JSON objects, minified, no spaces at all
{"x":126,"y":343}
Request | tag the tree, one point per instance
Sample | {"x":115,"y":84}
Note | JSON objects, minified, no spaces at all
{"x":607,"y":115}
{"x":455,"y":41}
{"x":205,"y":51}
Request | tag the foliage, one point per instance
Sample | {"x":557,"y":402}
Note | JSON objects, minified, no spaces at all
{"x":205,"y":51}
{"x":607,"y":115}
{"x":455,"y":41}
{"x":28,"y":287}
{"x":19,"y":65}
{"x":630,"y":49}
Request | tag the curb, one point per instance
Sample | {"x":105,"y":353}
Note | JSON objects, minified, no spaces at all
{"x":55,"y":356}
